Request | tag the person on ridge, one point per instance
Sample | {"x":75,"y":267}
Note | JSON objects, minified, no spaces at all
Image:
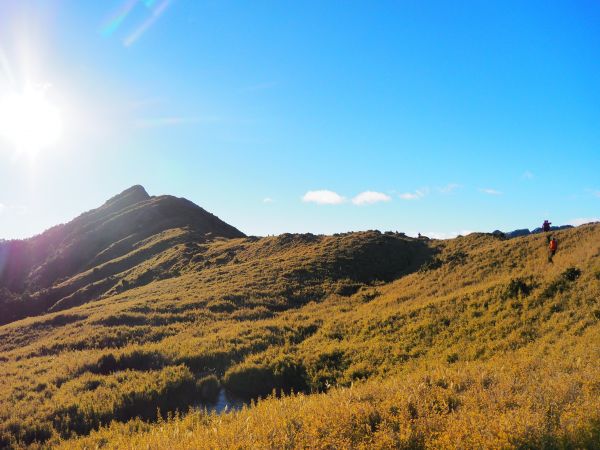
{"x":546,"y":229}
{"x":552,"y":249}
{"x":546,"y":226}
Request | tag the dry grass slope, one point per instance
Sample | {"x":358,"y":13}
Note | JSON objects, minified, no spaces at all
{"x":390,"y":342}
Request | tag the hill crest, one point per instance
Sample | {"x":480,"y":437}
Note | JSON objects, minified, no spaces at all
{"x":40,"y":272}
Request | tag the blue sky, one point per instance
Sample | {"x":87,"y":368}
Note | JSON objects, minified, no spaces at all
{"x":321,"y":116}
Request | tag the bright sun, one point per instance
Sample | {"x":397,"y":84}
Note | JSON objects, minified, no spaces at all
{"x":29,"y":121}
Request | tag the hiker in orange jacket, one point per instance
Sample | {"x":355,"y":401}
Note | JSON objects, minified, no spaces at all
{"x":552,"y":249}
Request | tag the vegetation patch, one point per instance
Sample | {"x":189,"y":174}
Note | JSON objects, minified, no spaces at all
{"x":208,"y":388}
{"x":254,"y":380}
{"x":518,"y":287}
{"x":93,"y":400}
{"x":140,"y":360}
{"x":562,"y":283}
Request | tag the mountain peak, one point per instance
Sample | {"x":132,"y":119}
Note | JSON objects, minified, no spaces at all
{"x":130,"y":196}
{"x":126,"y":231}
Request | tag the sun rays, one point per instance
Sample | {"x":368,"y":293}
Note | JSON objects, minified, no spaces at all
{"x":29,"y":121}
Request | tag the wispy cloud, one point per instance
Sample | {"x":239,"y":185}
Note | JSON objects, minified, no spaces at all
{"x":2,"y":208}
{"x":594,"y":192}
{"x":154,"y":122}
{"x":139,"y":31}
{"x":370,"y":197}
{"x":419,"y":193}
{"x":527,"y":175}
{"x":323,"y":197}
{"x":449,"y":188}
{"x":268,"y":200}
{"x":583,"y":220}
{"x":489,"y":191}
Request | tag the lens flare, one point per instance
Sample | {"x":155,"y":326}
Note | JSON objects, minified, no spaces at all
{"x":118,"y":17}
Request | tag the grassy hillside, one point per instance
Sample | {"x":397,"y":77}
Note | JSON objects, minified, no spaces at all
{"x":86,"y":258}
{"x":393,"y":342}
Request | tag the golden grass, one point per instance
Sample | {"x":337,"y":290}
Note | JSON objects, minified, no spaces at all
{"x":535,"y":403}
{"x":486,"y":345}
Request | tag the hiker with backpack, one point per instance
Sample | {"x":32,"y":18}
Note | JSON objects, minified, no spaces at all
{"x":552,"y":247}
{"x":546,"y":229}
{"x":546,"y":226}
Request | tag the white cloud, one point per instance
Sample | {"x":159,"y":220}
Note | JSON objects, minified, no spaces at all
{"x":370,"y":197}
{"x":583,"y":220}
{"x":490,"y":191}
{"x":409,"y":196}
{"x":268,"y":200}
{"x":2,"y":208}
{"x":323,"y":197}
{"x":527,"y":175}
{"x":449,"y":188}
{"x":420,"y":193}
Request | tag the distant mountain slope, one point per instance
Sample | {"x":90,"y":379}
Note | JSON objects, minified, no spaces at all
{"x":526,"y":232}
{"x":38,"y":273}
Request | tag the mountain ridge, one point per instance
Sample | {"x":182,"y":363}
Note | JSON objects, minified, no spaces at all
{"x":32,"y":268}
{"x":459,"y":330}
{"x":424,"y":342}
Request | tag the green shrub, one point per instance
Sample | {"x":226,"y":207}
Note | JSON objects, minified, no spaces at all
{"x":121,"y":397}
{"x":208,"y":361}
{"x":208,"y":388}
{"x":222,"y":306}
{"x":346,"y":288}
{"x":518,"y":287}
{"x":251,"y":380}
{"x":571,"y":274}
{"x":562,"y":283}
{"x":452,"y":358}
{"x":132,"y":360}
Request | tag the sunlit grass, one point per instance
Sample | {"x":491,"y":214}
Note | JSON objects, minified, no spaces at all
{"x":485,"y":344}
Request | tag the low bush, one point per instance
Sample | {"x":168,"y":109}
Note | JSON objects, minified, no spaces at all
{"x":132,"y":360}
{"x":571,"y":274}
{"x":562,"y":283}
{"x":518,"y":287}
{"x":208,"y":388}
{"x":253,"y":380}
{"x":121,"y":397}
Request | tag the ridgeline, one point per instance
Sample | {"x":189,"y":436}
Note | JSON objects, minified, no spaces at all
{"x":151,"y":305}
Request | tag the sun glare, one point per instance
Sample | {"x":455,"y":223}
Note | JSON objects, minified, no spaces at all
{"x":29,"y":121}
